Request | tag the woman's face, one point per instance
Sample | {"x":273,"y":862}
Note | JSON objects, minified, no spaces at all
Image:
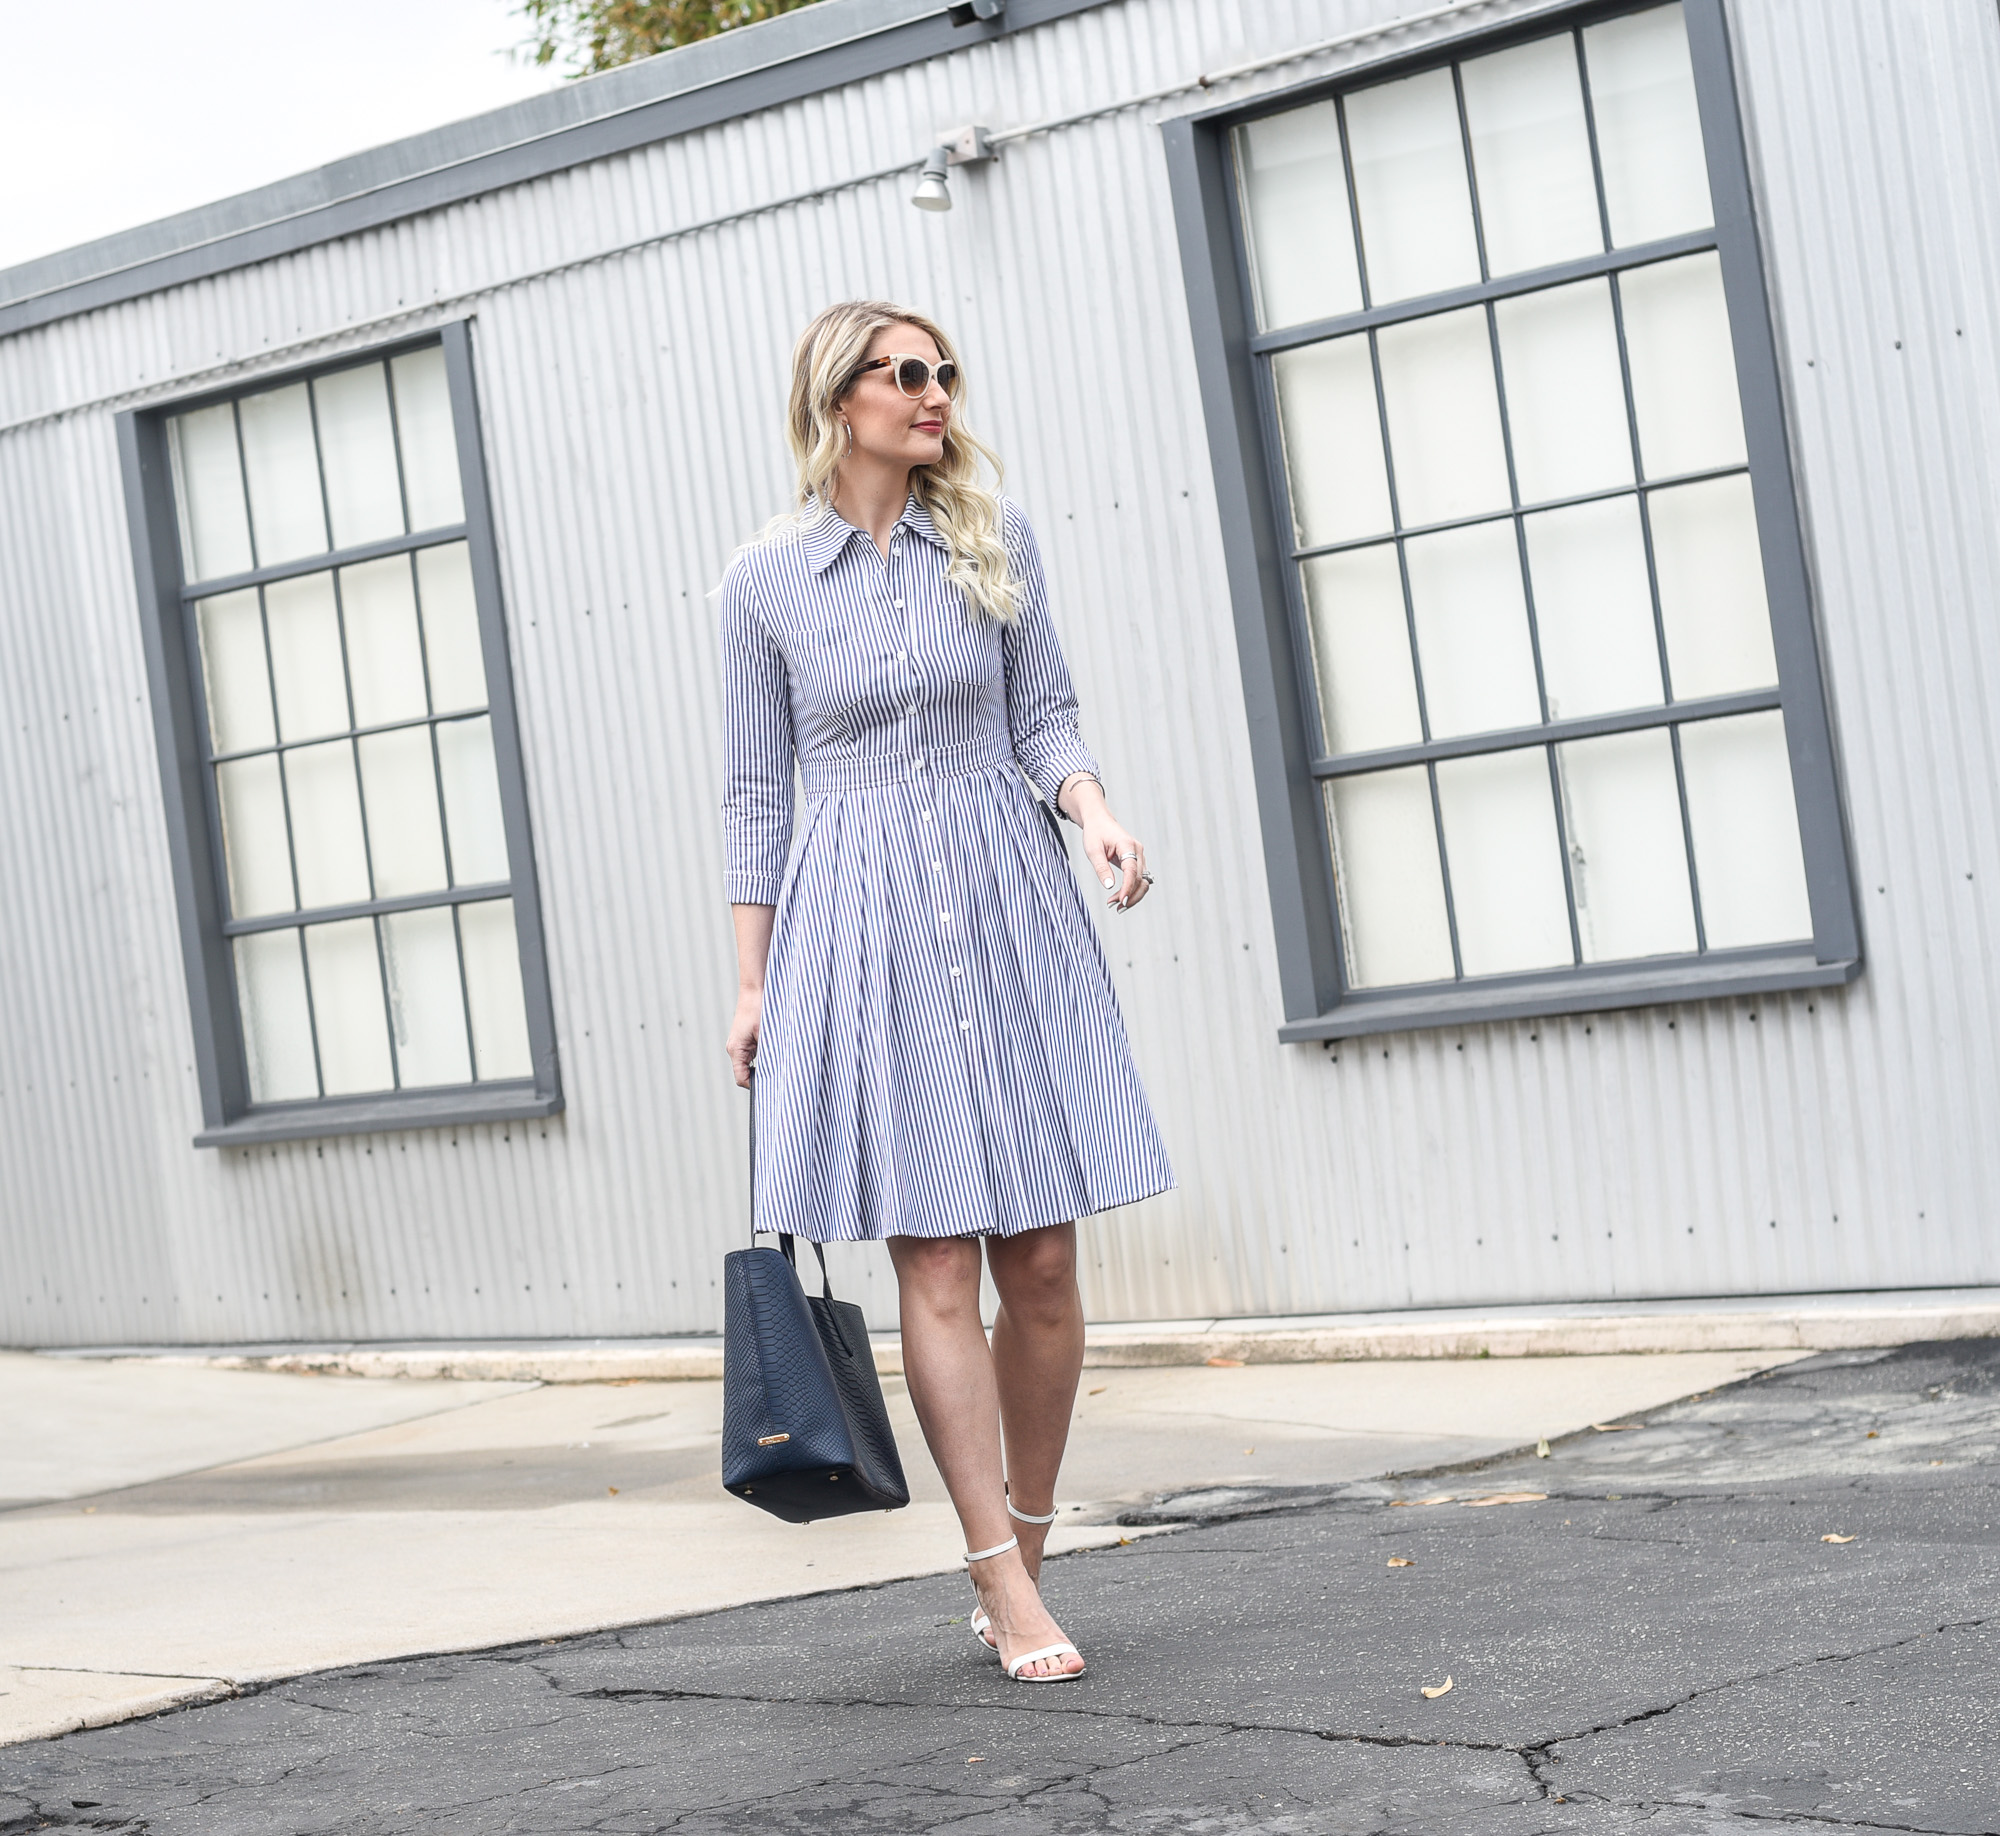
{"x":890,"y":426}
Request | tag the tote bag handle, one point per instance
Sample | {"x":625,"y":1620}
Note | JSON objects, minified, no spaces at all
{"x":784,"y":1242}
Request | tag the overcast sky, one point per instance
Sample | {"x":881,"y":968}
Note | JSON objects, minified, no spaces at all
{"x":172,"y":103}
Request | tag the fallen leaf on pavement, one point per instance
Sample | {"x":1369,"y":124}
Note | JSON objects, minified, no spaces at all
{"x":1435,"y":1498}
{"x":1226,"y":1364}
{"x":1401,"y":1561}
{"x":1431,"y":1695}
{"x":1617,"y":1427}
{"x":1831,"y":1538}
{"x":612,"y":1489}
{"x":1509,"y":1498}
{"x":1124,"y":1542}
{"x":1871,"y":1434}
{"x":1542,"y":1448}
{"x":1101,"y":1388}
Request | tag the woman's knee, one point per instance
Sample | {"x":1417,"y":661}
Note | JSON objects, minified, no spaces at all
{"x":940,"y":1273}
{"x":1035,"y":1272}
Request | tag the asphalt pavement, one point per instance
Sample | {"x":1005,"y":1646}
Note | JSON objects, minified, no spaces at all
{"x":1767,"y":1605}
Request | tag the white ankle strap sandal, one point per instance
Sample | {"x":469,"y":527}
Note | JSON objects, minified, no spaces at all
{"x":986,"y":1555}
{"x":1028,"y":1517}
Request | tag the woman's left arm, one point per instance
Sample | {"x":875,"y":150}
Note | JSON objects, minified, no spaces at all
{"x":1042,"y":720}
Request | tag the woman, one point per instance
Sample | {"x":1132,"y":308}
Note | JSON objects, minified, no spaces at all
{"x":939,"y":1054}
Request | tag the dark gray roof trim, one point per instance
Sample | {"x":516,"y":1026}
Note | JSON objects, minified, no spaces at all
{"x":754,"y":67}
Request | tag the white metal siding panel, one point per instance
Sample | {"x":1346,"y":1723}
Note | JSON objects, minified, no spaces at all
{"x":631,"y":417}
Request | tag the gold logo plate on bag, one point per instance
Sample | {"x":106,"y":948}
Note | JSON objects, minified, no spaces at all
{"x":771,"y":1440}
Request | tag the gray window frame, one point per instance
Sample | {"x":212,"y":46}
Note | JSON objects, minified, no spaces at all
{"x":1233,"y":370}
{"x":173,"y":670}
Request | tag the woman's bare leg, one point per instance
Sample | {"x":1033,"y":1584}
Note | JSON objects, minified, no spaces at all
{"x":950,"y":1373}
{"x":1037,"y":1359}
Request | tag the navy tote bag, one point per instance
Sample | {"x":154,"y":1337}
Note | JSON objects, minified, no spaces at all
{"x":804,"y":1430}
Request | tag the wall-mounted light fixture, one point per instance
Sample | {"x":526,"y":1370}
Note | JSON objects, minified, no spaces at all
{"x":964,"y":146}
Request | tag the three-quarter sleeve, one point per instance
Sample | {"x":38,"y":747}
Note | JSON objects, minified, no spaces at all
{"x":757,"y":750}
{"x":1041,"y":700}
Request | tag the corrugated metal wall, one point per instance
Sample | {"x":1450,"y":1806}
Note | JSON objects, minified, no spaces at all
{"x":631,"y":407}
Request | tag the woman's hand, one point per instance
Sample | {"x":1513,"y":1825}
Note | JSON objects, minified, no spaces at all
{"x":743,"y":1033}
{"x":1114,"y":853}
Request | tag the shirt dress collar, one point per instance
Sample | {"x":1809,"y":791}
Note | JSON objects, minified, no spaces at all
{"x":826,"y":533}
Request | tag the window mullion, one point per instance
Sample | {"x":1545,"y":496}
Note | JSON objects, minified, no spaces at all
{"x":1444,"y":871}
{"x":1531,"y":280}
{"x":441,"y":536}
{"x":1559,"y":796}
{"x":1687,"y":840}
{"x":312,"y":1008}
{"x":1555,"y":732}
{"x":1590,"y":132}
{"x":1471,"y":178}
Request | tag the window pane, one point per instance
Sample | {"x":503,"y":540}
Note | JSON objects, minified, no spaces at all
{"x":358,"y":449}
{"x":426,"y":1004}
{"x":1683,"y":366}
{"x":1712,"y":602}
{"x":1472,"y":630}
{"x":1361,"y":650}
{"x":1627,"y":852}
{"x":430,"y":452}
{"x":385,"y":657}
{"x":1409,"y":179}
{"x":279,"y":459}
{"x":1295,"y":202}
{"x":1333,"y":440}
{"x":277,"y":1027}
{"x":305,"y":656}
{"x":1746,"y":831}
{"x":233,"y":672}
{"x":472,"y":802}
{"x":1444,"y":419}
{"x":1648,"y":127}
{"x":347,"y":1004}
{"x":1565,"y":391}
{"x":399,"y":788}
{"x":252,"y":801}
{"x":326,"y":825}
{"x":451,"y":629}
{"x":208,"y":493}
{"x":1506,"y":862}
{"x":493,"y":989}
{"x":1391,"y":889}
{"x":1531,"y":154}
{"x":1593,"y":608}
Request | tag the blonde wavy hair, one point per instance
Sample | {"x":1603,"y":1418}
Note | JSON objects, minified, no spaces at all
{"x":826,"y":364}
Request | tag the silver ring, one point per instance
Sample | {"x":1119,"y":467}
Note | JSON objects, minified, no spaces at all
{"x":1147,"y":877}
{"x":1130,"y":854}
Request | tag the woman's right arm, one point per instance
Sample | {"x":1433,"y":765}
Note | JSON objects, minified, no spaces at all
{"x":756,"y":801}
{"x":753,"y":945}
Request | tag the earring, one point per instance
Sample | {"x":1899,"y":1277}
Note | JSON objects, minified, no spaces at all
{"x":849,"y":425}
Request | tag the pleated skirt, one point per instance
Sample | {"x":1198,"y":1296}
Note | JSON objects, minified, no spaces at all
{"x":942,"y":1053}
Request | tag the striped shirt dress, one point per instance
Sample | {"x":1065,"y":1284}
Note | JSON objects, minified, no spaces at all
{"x":941,"y":1053}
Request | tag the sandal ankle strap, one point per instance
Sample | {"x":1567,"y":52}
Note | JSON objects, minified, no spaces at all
{"x":1028,"y":1517}
{"x":982,"y":1555}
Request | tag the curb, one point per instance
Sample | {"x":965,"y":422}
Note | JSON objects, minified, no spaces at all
{"x":1791,"y":1323}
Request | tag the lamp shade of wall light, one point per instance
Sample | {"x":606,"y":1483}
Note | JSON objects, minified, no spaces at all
{"x":933,"y":192}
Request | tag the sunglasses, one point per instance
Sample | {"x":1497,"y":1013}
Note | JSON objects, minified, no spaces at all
{"x":913,"y":375}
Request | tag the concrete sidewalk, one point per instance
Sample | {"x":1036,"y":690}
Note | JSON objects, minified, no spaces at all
{"x":173,"y":1532}
{"x":1782,"y":1322}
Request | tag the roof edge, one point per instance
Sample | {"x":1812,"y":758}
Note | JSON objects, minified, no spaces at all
{"x":797,"y":54}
